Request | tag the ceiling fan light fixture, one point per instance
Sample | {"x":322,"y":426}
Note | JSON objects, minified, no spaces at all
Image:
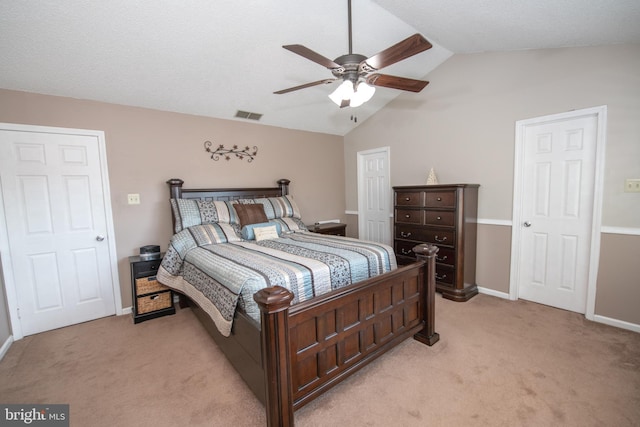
{"x":363,"y":93}
{"x":343,"y":92}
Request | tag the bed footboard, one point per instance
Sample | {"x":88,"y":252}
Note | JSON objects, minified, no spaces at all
{"x":310,"y":347}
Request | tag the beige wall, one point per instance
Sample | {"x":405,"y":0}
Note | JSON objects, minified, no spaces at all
{"x":493,"y":257}
{"x":463,"y":125}
{"x":147,"y":147}
{"x":619,"y":278}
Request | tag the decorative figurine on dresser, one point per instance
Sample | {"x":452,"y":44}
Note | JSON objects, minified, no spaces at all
{"x":444,"y":215}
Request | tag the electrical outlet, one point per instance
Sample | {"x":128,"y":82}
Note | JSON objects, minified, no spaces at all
{"x":133,"y":199}
{"x":632,"y":185}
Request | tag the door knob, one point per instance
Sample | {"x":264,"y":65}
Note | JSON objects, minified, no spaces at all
{"x":99,"y":237}
{"x":527,"y":224}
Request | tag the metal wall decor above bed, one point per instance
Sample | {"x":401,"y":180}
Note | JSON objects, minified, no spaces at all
{"x":226,"y":153}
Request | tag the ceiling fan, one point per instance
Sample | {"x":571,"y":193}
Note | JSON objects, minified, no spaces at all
{"x":358,"y":72}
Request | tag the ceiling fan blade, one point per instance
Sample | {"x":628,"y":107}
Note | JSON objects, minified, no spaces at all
{"x":313,"y":56}
{"x":306,"y":85}
{"x":395,"y":82}
{"x":399,"y":51}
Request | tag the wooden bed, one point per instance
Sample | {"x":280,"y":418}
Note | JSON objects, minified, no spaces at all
{"x":299,"y":351}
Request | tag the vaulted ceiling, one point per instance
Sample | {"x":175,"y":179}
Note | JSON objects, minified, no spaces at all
{"x":212,"y":58}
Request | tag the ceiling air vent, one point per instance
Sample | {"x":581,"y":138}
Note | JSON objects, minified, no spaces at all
{"x":247,"y":115}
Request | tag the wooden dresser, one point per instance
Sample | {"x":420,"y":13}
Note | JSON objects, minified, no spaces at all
{"x":444,"y":215}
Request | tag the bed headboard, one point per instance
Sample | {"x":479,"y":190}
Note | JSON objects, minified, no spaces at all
{"x":225,"y":194}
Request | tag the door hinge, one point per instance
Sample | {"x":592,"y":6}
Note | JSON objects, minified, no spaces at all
{"x":18,"y":310}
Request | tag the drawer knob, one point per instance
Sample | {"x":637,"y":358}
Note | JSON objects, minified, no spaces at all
{"x":407,"y":216}
{"x":440,"y":239}
{"x":438,"y":218}
{"x":407,"y":199}
{"x":403,"y":234}
{"x":439,"y":199}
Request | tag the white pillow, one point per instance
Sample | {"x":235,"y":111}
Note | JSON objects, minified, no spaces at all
{"x":264,"y":233}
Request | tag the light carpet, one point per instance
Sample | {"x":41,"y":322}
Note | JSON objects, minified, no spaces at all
{"x":498,"y":363}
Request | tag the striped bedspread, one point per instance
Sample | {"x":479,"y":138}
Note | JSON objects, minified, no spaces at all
{"x":217,"y":276}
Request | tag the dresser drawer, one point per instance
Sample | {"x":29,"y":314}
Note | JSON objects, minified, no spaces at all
{"x":446,"y":256}
{"x":410,"y":216}
{"x":418,"y":234}
{"x":441,"y":218}
{"x":409,"y":232}
{"x":440,"y":199}
{"x":405,"y":248}
{"x":441,"y":237}
{"x":445,"y":275}
{"x":413,"y":198}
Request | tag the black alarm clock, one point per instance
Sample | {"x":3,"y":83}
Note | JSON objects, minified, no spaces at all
{"x":150,"y":252}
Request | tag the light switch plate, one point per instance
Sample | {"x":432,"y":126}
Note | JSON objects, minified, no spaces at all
{"x":632,"y":185}
{"x":133,"y":199}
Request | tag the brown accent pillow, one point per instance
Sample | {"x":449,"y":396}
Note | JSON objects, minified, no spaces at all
{"x":250,"y":214}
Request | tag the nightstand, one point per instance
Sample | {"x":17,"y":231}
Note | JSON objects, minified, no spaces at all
{"x":330,"y":228}
{"x":150,"y":299}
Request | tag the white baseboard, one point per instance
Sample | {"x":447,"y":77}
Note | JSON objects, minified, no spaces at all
{"x":5,"y":346}
{"x":493,"y":293}
{"x":127,"y":310}
{"x":617,"y":323}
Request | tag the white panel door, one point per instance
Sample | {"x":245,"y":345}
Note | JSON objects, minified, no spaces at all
{"x":373,"y":196}
{"x":54,"y":209}
{"x":557,"y":212}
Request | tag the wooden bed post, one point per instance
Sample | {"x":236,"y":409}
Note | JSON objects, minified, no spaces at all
{"x":175,"y":187}
{"x":428,"y":253}
{"x":274,"y":305}
{"x":284,"y":186}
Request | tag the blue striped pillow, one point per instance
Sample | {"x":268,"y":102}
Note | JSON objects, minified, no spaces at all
{"x":189,"y":212}
{"x":209,"y":234}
